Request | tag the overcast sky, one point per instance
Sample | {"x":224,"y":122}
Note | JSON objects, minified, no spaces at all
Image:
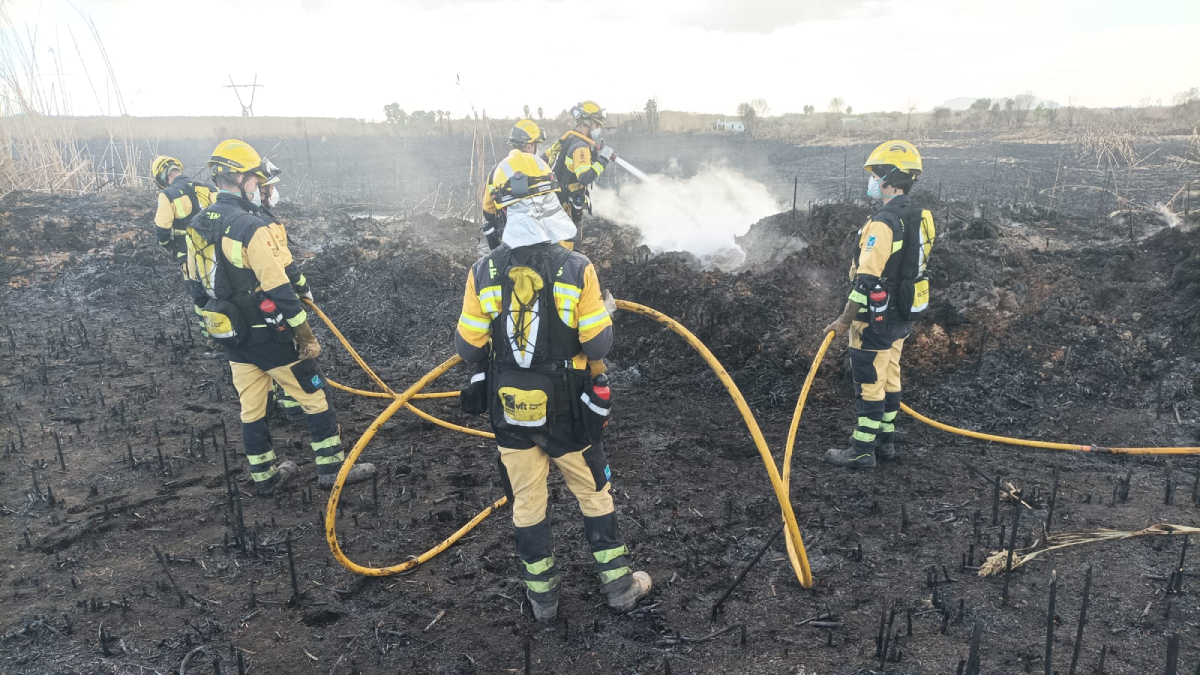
{"x":349,"y":58}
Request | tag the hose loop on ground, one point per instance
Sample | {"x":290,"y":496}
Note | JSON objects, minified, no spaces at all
{"x":780,"y":482}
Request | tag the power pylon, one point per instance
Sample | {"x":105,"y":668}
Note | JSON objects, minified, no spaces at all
{"x":247,"y":109}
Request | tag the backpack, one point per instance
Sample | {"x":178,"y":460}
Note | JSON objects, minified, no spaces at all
{"x":913,"y":288}
{"x":222,"y":319}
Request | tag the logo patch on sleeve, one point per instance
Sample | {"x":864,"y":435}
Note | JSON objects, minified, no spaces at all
{"x":870,"y":242}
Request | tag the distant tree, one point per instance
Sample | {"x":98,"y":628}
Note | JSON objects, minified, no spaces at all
{"x":749,"y":117}
{"x":394,"y":114}
{"x":941,"y":116}
{"x":849,"y":110}
{"x":981,"y":104}
{"x":652,"y":115}
{"x":761,"y":109}
{"x":996,"y":107}
{"x":527,"y":112}
{"x":912,"y":109}
{"x":1022,"y":105}
{"x":1186,"y":97}
{"x":808,"y":109}
{"x":835,"y":105}
{"x":540,"y":115}
{"x":1046,"y":112}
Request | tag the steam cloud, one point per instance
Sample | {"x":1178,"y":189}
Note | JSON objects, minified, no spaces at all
{"x":701,"y":215}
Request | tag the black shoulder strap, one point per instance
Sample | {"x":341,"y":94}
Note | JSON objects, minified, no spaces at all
{"x":190,"y":191}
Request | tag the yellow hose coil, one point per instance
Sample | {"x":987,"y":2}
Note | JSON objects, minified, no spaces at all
{"x":796,"y":550}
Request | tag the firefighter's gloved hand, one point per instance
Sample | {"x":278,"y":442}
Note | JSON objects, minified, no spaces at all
{"x":306,"y":293}
{"x":610,"y":303}
{"x":839,"y":327}
{"x":842,"y":324}
{"x":597,"y":368}
{"x":607,"y":154}
{"x":306,"y":342}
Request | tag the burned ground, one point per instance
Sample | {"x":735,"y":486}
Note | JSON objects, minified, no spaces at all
{"x":1043,"y":327}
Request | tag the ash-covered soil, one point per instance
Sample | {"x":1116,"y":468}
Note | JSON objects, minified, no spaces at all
{"x":1043,"y":327}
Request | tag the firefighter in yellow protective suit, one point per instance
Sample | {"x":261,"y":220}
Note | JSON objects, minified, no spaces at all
{"x":532,"y":318}
{"x":251,"y":306}
{"x":521,"y":180}
{"x":179,"y":198}
{"x":578,"y":159}
{"x":265,"y":200}
{"x":889,"y":289}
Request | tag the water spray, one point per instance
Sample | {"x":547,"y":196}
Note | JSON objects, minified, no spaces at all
{"x":647,"y":179}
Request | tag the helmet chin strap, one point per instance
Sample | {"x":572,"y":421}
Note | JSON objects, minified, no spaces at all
{"x":242,"y":187}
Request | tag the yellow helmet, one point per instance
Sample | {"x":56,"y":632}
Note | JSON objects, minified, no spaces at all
{"x":525,"y":131}
{"x":588,"y":111}
{"x":234,"y":156}
{"x":161,"y":168}
{"x":900,"y":154}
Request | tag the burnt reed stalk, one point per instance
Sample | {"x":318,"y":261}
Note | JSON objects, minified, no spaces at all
{"x":1087,"y":598}
{"x":1011,"y":547}
{"x":1049,"y":660}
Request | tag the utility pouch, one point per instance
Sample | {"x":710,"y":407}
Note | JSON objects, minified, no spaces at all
{"x":225,"y":323}
{"x":595,"y":413}
{"x":862,"y":366}
{"x":526,"y":401}
{"x":308,"y":374}
{"x":475,"y":396}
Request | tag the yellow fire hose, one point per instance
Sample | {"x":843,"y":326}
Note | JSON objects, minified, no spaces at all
{"x":780,"y":483}
{"x":1044,"y":444}
{"x":796,"y":551}
{"x":798,"y":557}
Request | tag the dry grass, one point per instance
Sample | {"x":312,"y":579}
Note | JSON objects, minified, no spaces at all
{"x":998,"y":560}
{"x":44,"y":152}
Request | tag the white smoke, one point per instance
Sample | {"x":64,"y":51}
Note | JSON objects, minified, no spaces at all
{"x":701,"y":215}
{"x":1168,"y":216}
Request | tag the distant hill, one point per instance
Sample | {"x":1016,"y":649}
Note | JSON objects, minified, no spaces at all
{"x":964,"y":102}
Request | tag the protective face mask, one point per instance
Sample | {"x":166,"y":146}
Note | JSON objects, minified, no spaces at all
{"x":274,"y":199}
{"x":874,"y":187}
{"x":597,"y":134}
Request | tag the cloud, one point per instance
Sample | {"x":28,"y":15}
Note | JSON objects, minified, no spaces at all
{"x":761,"y":16}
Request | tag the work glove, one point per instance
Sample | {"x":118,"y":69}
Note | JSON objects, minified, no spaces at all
{"x":306,"y":342}
{"x":306,"y":293}
{"x":610,"y":303}
{"x":839,"y":327}
{"x":597,"y":368}
{"x":607,"y":154}
{"x":842,"y":324}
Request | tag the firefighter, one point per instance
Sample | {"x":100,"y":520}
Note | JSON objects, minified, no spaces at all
{"x":578,"y":159}
{"x":179,"y":198}
{"x":889,"y":289}
{"x":532,"y":318}
{"x":253,"y":308}
{"x":522,"y":181}
{"x":266,"y":198}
